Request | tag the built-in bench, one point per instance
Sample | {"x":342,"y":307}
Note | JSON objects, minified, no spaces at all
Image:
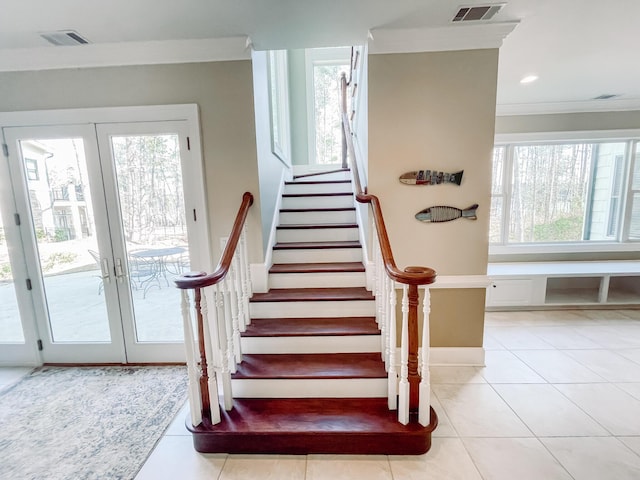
{"x":554,"y":284}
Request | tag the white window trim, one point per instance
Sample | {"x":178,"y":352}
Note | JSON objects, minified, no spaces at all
{"x":624,"y":245}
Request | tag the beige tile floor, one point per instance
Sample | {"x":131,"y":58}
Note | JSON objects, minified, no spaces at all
{"x":559,"y":398}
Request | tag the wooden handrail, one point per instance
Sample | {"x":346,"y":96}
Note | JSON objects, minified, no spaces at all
{"x":410,"y":275}
{"x":201,"y":279}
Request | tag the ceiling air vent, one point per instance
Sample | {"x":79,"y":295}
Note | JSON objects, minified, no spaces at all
{"x":64,"y":38}
{"x":478,"y":12}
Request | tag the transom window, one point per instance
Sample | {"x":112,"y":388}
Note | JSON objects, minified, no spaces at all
{"x":565,"y":192}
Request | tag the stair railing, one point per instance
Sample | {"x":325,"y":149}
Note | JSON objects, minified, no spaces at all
{"x":408,"y":390}
{"x":219,"y":302}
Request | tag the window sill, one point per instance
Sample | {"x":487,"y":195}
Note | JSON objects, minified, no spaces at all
{"x":555,"y":248}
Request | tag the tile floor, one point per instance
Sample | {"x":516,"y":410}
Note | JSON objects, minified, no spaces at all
{"x":559,"y":398}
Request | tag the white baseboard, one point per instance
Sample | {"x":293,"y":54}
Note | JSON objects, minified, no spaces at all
{"x":259,"y":277}
{"x":450,"y":356}
{"x":469,"y":356}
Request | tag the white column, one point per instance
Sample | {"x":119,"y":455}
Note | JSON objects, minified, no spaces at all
{"x":424,"y":411}
{"x":223,"y":337}
{"x":210,"y":354}
{"x":195,"y":403}
{"x":392,"y":375}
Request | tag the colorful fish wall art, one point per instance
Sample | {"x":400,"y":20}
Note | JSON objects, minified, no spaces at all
{"x":439,"y":214}
{"x":431,"y":177}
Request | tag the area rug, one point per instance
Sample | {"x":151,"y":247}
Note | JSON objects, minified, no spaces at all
{"x":85,"y":423}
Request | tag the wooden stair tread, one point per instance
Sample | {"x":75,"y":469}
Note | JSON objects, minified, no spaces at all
{"x":325,"y":209}
{"x":316,"y":182}
{"x":313,"y":294}
{"x":314,"y":366}
{"x":319,"y":194}
{"x":335,"y":267}
{"x":305,"y":327}
{"x":317,"y":245}
{"x":313,"y":425}
{"x":307,"y":226}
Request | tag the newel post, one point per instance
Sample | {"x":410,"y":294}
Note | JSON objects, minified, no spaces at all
{"x":204,"y":369}
{"x":414,"y":376}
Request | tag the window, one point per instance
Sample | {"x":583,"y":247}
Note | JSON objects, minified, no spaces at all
{"x":31,"y":167}
{"x":279,"y":104}
{"x":565,"y":192}
{"x":323,"y":69}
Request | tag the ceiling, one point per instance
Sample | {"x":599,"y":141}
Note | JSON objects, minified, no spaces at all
{"x":579,"y":49}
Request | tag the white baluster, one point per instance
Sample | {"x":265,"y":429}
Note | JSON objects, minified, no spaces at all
{"x":246,"y":278}
{"x":195,"y":402}
{"x":424,"y":411}
{"x":392,"y":373}
{"x":224,"y":353}
{"x":403,"y":389}
{"x":235,"y":319}
{"x":236,"y":265}
{"x":387,"y":315}
{"x":228,"y":320}
{"x":210,"y":354}
{"x":231,"y":308}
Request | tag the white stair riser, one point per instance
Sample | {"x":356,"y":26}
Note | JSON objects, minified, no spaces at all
{"x":317,"y":280}
{"x":312,"y":309}
{"x":310,"y":218}
{"x":342,"y":201}
{"x":315,"y":344}
{"x":317,"y":255}
{"x":318,"y":188}
{"x":316,"y":234}
{"x":308,"y":388}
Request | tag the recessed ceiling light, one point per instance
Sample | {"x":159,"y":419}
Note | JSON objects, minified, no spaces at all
{"x":529,"y":79}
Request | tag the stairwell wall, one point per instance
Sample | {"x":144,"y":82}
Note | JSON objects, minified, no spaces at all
{"x":436,"y":111}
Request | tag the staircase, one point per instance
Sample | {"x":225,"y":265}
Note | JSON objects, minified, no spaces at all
{"x":311,"y":378}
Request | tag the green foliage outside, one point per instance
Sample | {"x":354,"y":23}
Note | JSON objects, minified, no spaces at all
{"x":564,"y":229}
{"x":5,"y":271}
{"x":58,"y":258}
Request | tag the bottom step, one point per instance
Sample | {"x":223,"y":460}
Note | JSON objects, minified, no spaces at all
{"x":313,"y":425}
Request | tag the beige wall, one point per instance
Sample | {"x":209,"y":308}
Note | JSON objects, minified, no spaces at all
{"x":436,"y":111}
{"x":223,"y":91}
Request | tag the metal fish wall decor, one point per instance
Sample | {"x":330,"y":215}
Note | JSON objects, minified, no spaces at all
{"x":431,"y":177}
{"x":446,"y":214}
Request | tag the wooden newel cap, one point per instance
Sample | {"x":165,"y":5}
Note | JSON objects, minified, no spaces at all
{"x":423,"y":270}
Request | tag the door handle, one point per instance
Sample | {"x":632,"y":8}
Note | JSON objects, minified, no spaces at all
{"x":104,"y":265}
{"x":120,"y":275}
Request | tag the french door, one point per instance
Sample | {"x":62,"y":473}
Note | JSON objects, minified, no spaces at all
{"x":99,"y":234}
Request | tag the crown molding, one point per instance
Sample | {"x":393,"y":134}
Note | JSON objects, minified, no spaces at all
{"x":131,"y":53}
{"x":589,"y":106}
{"x":435,"y":39}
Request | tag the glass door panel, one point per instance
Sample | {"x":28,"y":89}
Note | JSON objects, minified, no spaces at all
{"x":149,"y":183}
{"x":58,"y":183}
{"x":10,"y":324}
{"x":146,"y":172}
{"x":62,"y":213}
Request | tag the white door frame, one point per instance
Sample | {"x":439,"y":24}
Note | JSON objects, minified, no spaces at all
{"x":200,"y":249}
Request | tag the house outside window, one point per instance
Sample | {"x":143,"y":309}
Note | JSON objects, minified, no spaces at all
{"x":565,"y":193}
{"x":31,"y":167}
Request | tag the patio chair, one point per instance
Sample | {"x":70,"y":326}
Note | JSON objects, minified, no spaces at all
{"x":144,"y":273}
